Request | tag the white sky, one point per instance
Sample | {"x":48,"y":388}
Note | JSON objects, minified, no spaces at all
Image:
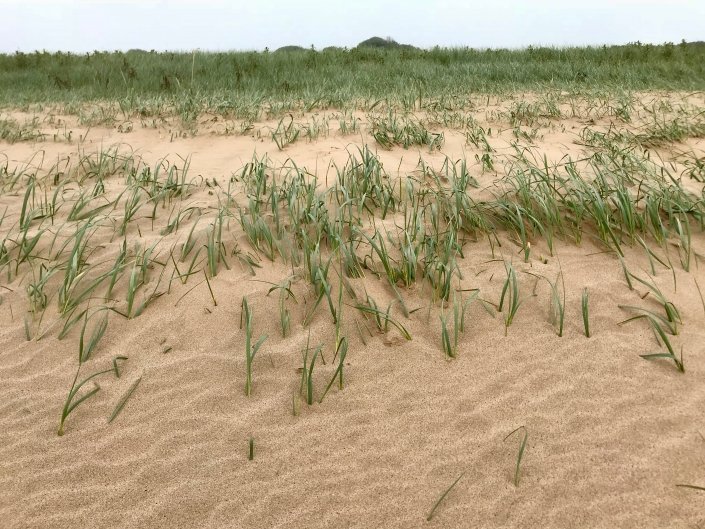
{"x":81,"y":25}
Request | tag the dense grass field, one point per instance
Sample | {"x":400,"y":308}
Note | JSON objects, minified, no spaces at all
{"x":335,"y":76}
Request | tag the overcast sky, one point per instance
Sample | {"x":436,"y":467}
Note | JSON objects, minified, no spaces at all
{"x":82,"y":25}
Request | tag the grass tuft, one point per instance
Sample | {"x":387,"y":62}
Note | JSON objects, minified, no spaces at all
{"x":520,"y":454}
{"x":585,"y":308}
{"x":250,"y":348}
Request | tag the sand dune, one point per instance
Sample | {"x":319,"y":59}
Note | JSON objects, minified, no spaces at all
{"x":609,"y":434}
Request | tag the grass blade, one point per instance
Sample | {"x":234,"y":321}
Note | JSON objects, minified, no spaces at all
{"x":435,"y":505}
{"x":520,"y":455}
{"x":694,"y":487}
{"x":121,"y":403}
{"x":585,"y":307}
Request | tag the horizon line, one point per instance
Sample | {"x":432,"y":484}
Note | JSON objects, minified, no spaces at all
{"x":394,"y":46}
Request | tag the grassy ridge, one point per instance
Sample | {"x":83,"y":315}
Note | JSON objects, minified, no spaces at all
{"x":335,"y":76}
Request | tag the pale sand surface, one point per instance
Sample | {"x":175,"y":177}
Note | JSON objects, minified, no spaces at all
{"x":609,"y":434}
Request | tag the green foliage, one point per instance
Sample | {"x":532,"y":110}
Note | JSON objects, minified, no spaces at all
{"x":584,"y":303}
{"x":522,"y":448}
{"x":190,"y":83}
{"x":250,"y":348}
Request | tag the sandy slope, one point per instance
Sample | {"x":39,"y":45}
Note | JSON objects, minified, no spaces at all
{"x":609,"y":434}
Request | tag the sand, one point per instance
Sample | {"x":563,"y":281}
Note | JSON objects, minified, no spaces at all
{"x":609,"y":434}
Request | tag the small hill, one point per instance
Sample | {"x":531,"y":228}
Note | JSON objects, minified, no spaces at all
{"x":388,"y":43}
{"x":290,"y":48}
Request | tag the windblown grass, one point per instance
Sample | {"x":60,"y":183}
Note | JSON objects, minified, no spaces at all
{"x":524,"y":436}
{"x":191,"y":83}
{"x":443,"y":496}
{"x":106,"y":235}
{"x":251,"y":349}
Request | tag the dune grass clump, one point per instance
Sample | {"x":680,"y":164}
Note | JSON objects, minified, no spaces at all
{"x":341,"y":345}
{"x":558,"y":302}
{"x":73,"y":400}
{"x":309,"y":362}
{"x":13,"y":131}
{"x":285,"y":293}
{"x":671,"y":317}
{"x":251,"y":349}
{"x":341,"y":353}
{"x":406,"y":131}
{"x":287,"y":132}
{"x":584,"y":303}
{"x":510,"y":294}
{"x":382,"y":318}
{"x":524,"y":436}
{"x":670,"y":353}
{"x":450,"y":345}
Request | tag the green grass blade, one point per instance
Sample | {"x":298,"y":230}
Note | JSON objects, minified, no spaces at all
{"x":585,"y":309}
{"x":438,"y":502}
{"x":121,"y":403}
{"x":520,"y":455}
